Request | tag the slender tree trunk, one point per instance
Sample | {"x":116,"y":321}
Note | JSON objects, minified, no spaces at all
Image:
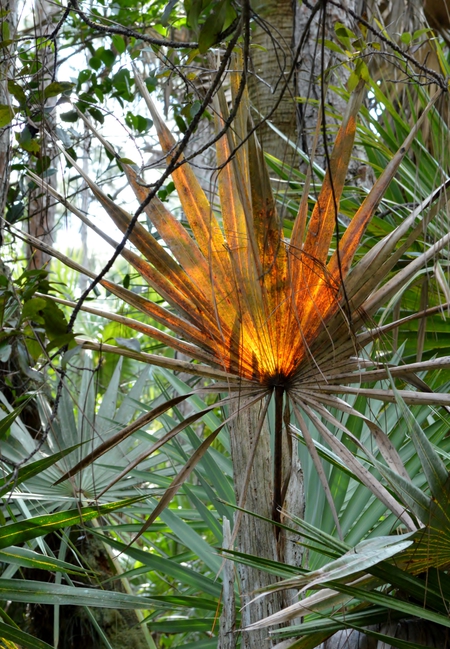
{"x":271,"y":62}
{"x":227,"y":633}
{"x":251,"y":446}
{"x":255,"y":536}
{"x":8,"y":31}
{"x":41,"y":206}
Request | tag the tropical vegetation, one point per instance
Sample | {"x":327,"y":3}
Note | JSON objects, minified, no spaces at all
{"x":244,"y":438}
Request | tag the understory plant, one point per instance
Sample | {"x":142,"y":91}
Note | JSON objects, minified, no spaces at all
{"x":384,"y":584}
{"x":282,"y":329}
{"x":68,"y":571}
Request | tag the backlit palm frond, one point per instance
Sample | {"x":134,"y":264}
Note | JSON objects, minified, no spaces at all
{"x":266,"y":314}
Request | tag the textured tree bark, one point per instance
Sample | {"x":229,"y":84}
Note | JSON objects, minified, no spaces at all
{"x":41,"y":206}
{"x":271,"y":62}
{"x":312,"y":80}
{"x":8,"y":30}
{"x":227,"y":633}
{"x":255,"y":536}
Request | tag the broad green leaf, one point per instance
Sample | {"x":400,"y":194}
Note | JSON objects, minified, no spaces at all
{"x":187,"y":601}
{"x":30,"y":559}
{"x":106,"y":56}
{"x":212,"y":26}
{"x":38,"y":526}
{"x":23,"y":639}
{"x":210,"y":418}
{"x":168,"y":567}
{"x":119,"y":43}
{"x":27,"y":141}
{"x":408,"y":492}
{"x":392,"y":603}
{"x":432,"y":465}
{"x":177,"y":625}
{"x":191,"y":539}
{"x":167,"y":11}
{"x":16,"y":90}
{"x":121,"y":436}
{"x":69,"y":116}
{"x":105,"y":416}
{"x":210,"y":520}
{"x":422,"y":590}
{"x":6,"y":115}
{"x":39,"y":592}
{"x":5,"y":422}
{"x":57,"y":88}
{"x":30,"y":470}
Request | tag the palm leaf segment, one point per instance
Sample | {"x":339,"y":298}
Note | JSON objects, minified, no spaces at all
{"x":413,"y":565}
{"x":256,"y":303}
{"x":254,"y":309}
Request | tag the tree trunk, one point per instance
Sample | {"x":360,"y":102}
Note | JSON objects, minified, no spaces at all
{"x":255,"y":536}
{"x":41,"y":206}
{"x":8,"y":31}
{"x":271,"y":62}
{"x":312,"y":80}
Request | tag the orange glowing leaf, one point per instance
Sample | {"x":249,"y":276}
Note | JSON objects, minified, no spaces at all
{"x":355,"y":230}
{"x":237,"y":136}
{"x":242,"y":255}
{"x":163,"y":316}
{"x":181,"y":245}
{"x":314,"y":287}
{"x":204,"y":225}
{"x":325,"y":212}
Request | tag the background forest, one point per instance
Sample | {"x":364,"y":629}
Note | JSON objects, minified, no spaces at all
{"x":225,"y":341}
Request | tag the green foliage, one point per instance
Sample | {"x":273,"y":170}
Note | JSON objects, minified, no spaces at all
{"x":173,"y":566}
{"x":6,"y":115}
{"x":373,"y":580}
{"x":138,"y":31}
{"x":175,"y":571}
{"x":32,"y":324}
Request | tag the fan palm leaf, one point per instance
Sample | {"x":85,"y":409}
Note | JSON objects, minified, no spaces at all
{"x":261,"y":313}
{"x":405,"y":574}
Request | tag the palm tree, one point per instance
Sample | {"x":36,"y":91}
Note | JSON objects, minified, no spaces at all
{"x":265,"y":318}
